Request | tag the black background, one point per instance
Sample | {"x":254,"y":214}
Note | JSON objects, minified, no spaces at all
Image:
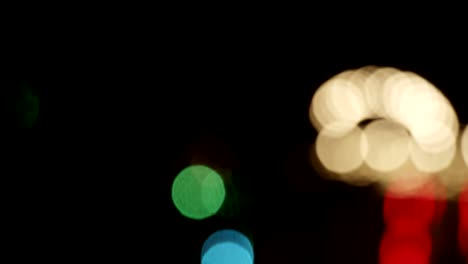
{"x":124,"y":112}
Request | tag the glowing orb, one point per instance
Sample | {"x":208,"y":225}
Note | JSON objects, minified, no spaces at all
{"x":388,"y":145}
{"x":227,"y":247}
{"x":464,"y":144}
{"x":338,"y":101}
{"x":198,"y":192}
{"x":340,"y":153}
{"x":405,"y":250}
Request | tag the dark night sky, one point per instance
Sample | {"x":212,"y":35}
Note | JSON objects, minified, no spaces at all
{"x":121,"y":122}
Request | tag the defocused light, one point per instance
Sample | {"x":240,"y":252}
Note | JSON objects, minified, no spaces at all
{"x":227,"y":247}
{"x":27,"y":107}
{"x":408,"y":219}
{"x":416,"y":138}
{"x":394,"y":87}
{"x":406,"y":88}
{"x":338,"y":101}
{"x":463,"y":221}
{"x":422,"y":109}
{"x":419,"y":206}
{"x":413,"y":212}
{"x":340,"y":153}
{"x":198,"y":192}
{"x":374,"y":89}
{"x":405,"y":250}
{"x":464,"y":144}
{"x":406,"y":180}
{"x":455,"y":176}
{"x":362,"y":177}
{"x":388,"y":145}
{"x":437,"y":139}
{"x":431,"y":162}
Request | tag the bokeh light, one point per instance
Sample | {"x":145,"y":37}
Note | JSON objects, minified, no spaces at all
{"x":395,"y":249}
{"x":338,"y":105}
{"x":387,"y":145}
{"x":455,"y":176}
{"x":418,"y":207}
{"x":28,"y":109}
{"x":374,"y":89}
{"x":432,"y":162}
{"x":408,"y":219}
{"x":464,"y":144}
{"x":198,"y":192}
{"x":463,"y":221}
{"x":227,"y":247}
{"x":23,"y":103}
{"x":422,"y":109}
{"x":406,"y":180}
{"x":411,"y":137}
{"x":340,"y":153}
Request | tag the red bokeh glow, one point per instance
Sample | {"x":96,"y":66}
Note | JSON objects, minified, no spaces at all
{"x":408,"y":219}
{"x":407,"y":227}
{"x":420,"y":207}
{"x":397,"y":250}
{"x":463,"y":222}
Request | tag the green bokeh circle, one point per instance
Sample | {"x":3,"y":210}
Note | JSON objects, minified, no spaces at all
{"x":198,"y":192}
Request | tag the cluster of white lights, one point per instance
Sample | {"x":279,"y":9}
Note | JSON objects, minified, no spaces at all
{"x":413,"y":134}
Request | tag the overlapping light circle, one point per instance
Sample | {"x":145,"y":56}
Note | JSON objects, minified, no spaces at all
{"x":388,"y":145}
{"x":463,"y":221}
{"x":227,"y":246}
{"x":464,"y":144}
{"x":455,"y":176}
{"x":340,"y":153}
{"x":414,"y":127}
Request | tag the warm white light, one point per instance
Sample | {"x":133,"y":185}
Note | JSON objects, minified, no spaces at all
{"x":431,"y":162}
{"x":455,"y":176}
{"x":388,"y":145}
{"x":374,"y":90}
{"x":464,"y":144}
{"x":342,"y":153}
{"x":405,"y":180}
{"x":338,"y":101}
{"x":421,"y":108}
{"x":413,"y":135}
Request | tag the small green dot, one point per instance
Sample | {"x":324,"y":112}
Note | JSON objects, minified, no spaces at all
{"x":27,"y":107}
